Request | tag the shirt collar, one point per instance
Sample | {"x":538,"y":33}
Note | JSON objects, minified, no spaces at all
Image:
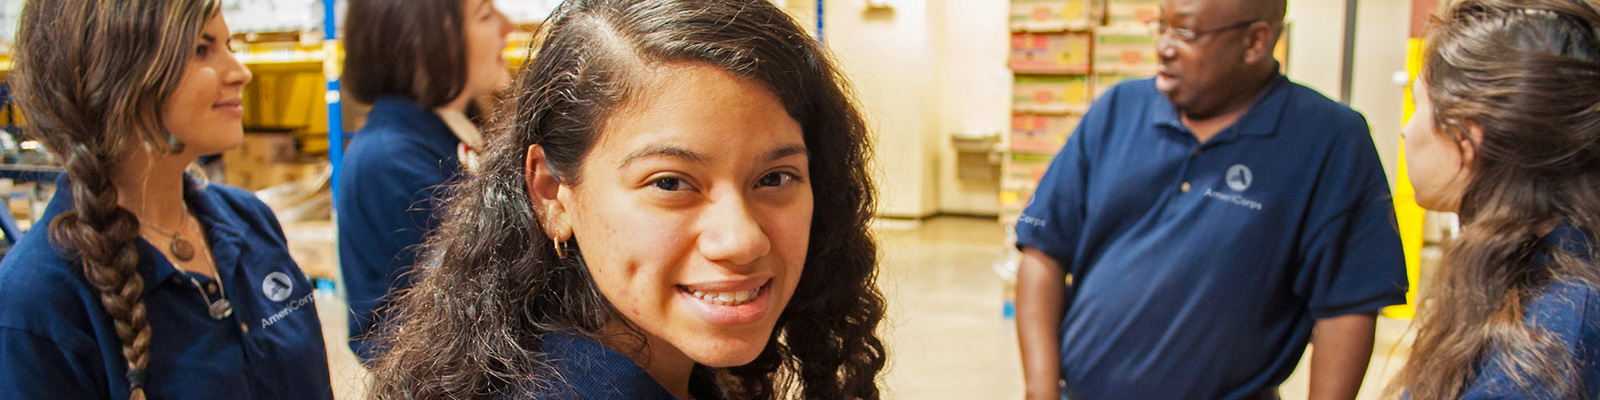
{"x":1261,"y":119}
{"x":1568,"y":238}
{"x":594,"y":371}
{"x":404,"y":113}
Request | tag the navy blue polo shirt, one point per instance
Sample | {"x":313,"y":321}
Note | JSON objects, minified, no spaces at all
{"x":386,"y":197}
{"x":1570,"y":312}
{"x":57,"y":342}
{"x":1199,"y":269}
{"x":588,"y":370}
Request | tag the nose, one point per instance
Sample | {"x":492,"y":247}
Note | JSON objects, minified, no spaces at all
{"x":1166,"y":48}
{"x":506,"y":27}
{"x":236,"y":74}
{"x":730,"y":233}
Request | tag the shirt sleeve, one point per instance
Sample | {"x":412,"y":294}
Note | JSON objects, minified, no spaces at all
{"x":33,"y":367}
{"x":1052,"y":222}
{"x":1352,"y":260}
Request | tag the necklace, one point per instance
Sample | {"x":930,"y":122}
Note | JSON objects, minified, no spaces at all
{"x":179,"y":247}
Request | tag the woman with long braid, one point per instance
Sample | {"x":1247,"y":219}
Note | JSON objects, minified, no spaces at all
{"x":141,"y":280}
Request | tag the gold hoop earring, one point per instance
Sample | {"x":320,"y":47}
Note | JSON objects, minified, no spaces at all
{"x":561,"y":251}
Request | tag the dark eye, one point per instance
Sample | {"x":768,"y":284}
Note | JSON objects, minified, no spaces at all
{"x":775,"y":179}
{"x":202,"y":51}
{"x":668,"y":184}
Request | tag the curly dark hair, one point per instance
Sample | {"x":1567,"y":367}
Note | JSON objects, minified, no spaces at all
{"x":91,"y":77}
{"x":1513,"y":68}
{"x":491,"y":284}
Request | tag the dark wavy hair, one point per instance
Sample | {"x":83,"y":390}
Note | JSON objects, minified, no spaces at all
{"x":492,"y":284}
{"x":90,"y":79}
{"x":1527,"y":73}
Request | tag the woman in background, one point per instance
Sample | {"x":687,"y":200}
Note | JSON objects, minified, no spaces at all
{"x":422,"y":65}
{"x":675,"y":204}
{"x":141,"y":280}
{"x":1507,"y":134}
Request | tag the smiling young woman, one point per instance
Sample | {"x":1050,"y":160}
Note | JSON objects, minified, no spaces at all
{"x":674,"y":204}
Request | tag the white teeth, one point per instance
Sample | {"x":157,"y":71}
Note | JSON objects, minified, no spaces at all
{"x":726,"y":298}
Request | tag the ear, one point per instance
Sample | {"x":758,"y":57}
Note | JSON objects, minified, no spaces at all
{"x":544,"y":193}
{"x":1469,"y":142}
{"x":1259,"y":42}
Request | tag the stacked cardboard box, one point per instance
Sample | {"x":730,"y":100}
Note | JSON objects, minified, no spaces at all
{"x":1055,"y":83}
{"x":265,"y":159}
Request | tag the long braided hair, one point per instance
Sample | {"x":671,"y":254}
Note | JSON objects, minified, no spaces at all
{"x":90,"y":77}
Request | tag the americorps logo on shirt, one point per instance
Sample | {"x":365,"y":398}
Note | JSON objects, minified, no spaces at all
{"x":277,"y":286}
{"x":1239,"y":177}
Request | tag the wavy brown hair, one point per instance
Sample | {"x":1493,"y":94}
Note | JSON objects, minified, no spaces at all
{"x":1525,"y":72}
{"x":90,"y":79}
{"x":493,"y":285}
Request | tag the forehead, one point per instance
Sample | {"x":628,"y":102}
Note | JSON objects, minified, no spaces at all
{"x":699,"y":106}
{"x":1201,"y":9}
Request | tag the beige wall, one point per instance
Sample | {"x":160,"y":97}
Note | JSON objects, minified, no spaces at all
{"x":1316,"y":54}
{"x":975,"y":96}
{"x":892,"y":56}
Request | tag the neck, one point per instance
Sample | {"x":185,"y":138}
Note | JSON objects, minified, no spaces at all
{"x":459,"y":104}
{"x":151,"y":186}
{"x":665,"y":363}
{"x":1208,"y":126}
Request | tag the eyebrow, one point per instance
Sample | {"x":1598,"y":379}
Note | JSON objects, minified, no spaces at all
{"x":208,"y":38}
{"x":697,"y":158}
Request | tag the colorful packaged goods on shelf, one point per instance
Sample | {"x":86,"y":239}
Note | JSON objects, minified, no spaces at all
{"x":1104,"y":81}
{"x":1050,"y":94}
{"x":1041,"y":134}
{"x":1050,"y":15}
{"x":1050,"y":53}
{"x":1125,"y":50}
{"x":1135,"y":13}
{"x":1023,"y":171}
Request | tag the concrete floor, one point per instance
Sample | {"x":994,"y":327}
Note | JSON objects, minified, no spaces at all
{"x":946,"y":333}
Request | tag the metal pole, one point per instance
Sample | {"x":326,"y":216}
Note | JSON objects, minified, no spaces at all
{"x":331,"y":70}
{"x":1347,"y":71}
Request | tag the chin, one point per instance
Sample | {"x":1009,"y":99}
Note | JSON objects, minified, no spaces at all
{"x":728,"y":352}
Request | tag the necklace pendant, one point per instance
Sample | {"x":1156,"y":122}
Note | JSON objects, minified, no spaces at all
{"x":181,"y":249}
{"x":221,"y":309}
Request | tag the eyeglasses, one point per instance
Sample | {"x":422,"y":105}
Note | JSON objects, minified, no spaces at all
{"x":1186,"y":35}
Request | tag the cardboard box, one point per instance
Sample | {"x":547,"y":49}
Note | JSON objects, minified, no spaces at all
{"x":311,"y":244}
{"x":1057,"y":53}
{"x":253,"y":177}
{"x":1050,"y":94}
{"x":1023,"y":172}
{"x":1050,"y":15}
{"x":1136,"y":13}
{"x":1105,"y":81}
{"x":265,"y":148}
{"x":1125,"y":51}
{"x":1041,"y":134}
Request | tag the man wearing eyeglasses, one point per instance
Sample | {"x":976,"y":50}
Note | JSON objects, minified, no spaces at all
{"x":1200,"y":228}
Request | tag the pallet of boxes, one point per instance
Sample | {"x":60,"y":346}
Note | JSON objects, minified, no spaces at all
{"x":298,"y":190}
{"x":1064,"y":54}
